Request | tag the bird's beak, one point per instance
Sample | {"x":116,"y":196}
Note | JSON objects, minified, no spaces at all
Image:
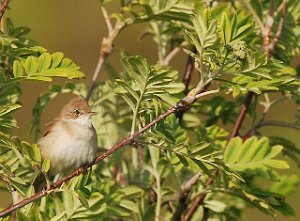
{"x":92,"y":113}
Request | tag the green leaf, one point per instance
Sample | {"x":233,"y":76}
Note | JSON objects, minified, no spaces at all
{"x":214,"y":205}
{"x":8,"y":108}
{"x":18,"y":69}
{"x":82,"y":199}
{"x":254,"y":156}
{"x":46,"y":165}
{"x":286,"y":186}
{"x":44,"y":62}
{"x":46,"y":66}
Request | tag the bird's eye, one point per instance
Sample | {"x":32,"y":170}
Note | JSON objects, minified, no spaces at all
{"x":77,"y":112}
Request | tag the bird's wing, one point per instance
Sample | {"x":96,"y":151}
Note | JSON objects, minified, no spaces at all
{"x":49,"y":125}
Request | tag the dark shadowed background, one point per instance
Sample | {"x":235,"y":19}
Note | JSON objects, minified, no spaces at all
{"x":75,"y":27}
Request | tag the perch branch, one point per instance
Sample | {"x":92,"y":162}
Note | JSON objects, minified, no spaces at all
{"x":182,"y":104}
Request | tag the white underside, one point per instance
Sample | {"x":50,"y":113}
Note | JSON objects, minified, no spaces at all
{"x":69,"y":150}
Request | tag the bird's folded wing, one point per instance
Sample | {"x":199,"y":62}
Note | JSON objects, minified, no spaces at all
{"x":49,"y":125}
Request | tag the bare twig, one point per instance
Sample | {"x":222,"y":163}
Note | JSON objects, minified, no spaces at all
{"x":268,"y":26}
{"x":277,"y":36}
{"x":185,"y":191}
{"x":183,"y":104}
{"x":186,"y":78}
{"x":241,"y":116}
{"x":171,"y":55}
{"x":279,"y":124}
{"x":106,"y":48}
{"x":107,"y":19}
{"x":3,"y":7}
{"x":267,"y":106}
{"x":198,"y":200}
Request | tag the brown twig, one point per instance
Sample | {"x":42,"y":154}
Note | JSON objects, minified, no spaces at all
{"x":186,"y":78}
{"x":183,"y":104}
{"x":268,"y":26}
{"x":3,"y":7}
{"x":198,"y":200}
{"x":278,"y":34}
{"x":105,"y":49}
{"x":241,"y":116}
{"x":185,"y":191}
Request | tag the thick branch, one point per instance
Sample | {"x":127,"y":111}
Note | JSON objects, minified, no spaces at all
{"x":183,"y":104}
{"x":3,"y":7}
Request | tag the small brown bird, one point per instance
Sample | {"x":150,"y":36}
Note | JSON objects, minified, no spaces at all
{"x":71,"y":138}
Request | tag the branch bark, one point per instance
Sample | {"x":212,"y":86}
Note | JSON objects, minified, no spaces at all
{"x":105,"y":49}
{"x":185,"y":191}
{"x":278,"y":34}
{"x":182,"y":104}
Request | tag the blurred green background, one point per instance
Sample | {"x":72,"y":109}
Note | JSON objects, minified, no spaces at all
{"x":76,"y":27}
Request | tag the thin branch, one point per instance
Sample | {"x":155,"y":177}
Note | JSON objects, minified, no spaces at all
{"x":3,"y":7}
{"x":198,"y":200}
{"x":186,"y":78}
{"x":107,"y":19}
{"x":267,"y":106}
{"x":241,"y":116}
{"x":204,"y":93}
{"x":106,"y":48}
{"x":182,"y":104}
{"x":268,"y":26}
{"x":185,"y":191}
{"x":171,"y":55}
{"x":279,"y":124}
{"x":278,"y":34}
